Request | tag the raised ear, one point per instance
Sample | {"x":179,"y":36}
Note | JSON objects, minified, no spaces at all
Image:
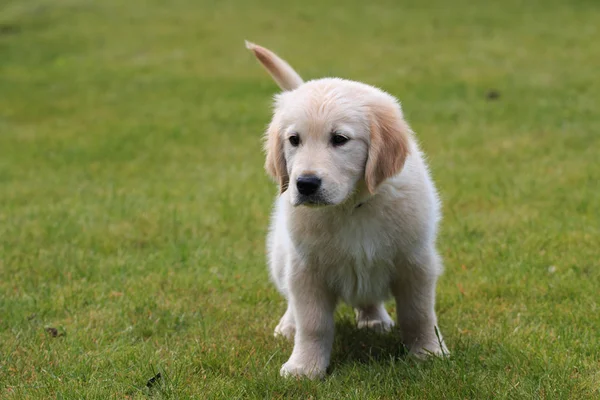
{"x":282,"y":73}
{"x":389,"y":146}
{"x":275,"y":162}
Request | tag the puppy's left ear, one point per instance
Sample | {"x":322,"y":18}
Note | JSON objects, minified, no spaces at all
{"x":390,"y":138}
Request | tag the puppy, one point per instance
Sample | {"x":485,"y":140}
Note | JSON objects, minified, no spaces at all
{"x":356,"y":217}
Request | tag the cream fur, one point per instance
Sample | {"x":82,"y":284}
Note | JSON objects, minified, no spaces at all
{"x":369,"y":232}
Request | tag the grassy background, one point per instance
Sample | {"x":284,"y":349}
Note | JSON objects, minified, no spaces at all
{"x":133,"y":204}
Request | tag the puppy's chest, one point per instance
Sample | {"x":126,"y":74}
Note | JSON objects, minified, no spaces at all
{"x":356,"y":260}
{"x":360,"y":283}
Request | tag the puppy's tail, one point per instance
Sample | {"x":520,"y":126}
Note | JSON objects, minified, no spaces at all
{"x":282,"y":73}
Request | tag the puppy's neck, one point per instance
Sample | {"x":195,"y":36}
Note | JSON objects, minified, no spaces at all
{"x":360,"y":197}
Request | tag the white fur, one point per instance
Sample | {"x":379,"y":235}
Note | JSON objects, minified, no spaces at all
{"x":364,"y":246}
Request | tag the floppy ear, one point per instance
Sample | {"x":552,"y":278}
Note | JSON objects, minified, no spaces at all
{"x":275,"y":162}
{"x":389,"y":144}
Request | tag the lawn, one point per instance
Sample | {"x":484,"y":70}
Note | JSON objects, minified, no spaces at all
{"x":134,"y":205}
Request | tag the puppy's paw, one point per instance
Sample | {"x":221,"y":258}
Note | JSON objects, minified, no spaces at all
{"x":374,"y":318}
{"x":286,"y":329}
{"x":299,"y":370}
{"x":424,"y":352}
{"x":376,"y":325}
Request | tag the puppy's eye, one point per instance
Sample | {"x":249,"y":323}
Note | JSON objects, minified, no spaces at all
{"x":294,"y":140}
{"x":339,"y":139}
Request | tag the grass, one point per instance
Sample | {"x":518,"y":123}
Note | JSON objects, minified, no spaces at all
{"x":134,"y":206}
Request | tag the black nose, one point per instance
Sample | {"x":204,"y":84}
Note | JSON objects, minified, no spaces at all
{"x":308,"y":184}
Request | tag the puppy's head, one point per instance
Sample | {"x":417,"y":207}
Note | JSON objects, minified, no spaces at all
{"x":330,"y":137}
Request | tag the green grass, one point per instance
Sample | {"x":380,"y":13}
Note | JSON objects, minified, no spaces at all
{"x":133,"y":204}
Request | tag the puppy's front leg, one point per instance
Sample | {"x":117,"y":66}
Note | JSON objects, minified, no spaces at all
{"x":415,"y":301}
{"x":313,"y":307}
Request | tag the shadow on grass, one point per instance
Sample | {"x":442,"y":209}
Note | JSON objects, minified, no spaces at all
{"x":363,"y":345}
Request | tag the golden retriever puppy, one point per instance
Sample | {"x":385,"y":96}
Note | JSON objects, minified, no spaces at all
{"x":356,"y":217}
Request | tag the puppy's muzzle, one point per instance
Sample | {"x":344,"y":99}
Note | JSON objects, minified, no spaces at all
{"x":308,"y":184}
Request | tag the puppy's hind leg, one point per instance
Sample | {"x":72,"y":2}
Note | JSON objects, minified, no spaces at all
{"x":374,"y":317}
{"x":278,"y":265}
{"x":287,"y":324}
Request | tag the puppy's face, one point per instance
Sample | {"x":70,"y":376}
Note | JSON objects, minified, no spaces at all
{"x":329,"y":135}
{"x":325,"y":141}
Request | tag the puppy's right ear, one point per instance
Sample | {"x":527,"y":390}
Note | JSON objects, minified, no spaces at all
{"x":282,"y":73}
{"x":275,"y":163}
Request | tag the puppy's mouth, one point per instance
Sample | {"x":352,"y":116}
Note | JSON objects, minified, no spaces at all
{"x":311,"y":201}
